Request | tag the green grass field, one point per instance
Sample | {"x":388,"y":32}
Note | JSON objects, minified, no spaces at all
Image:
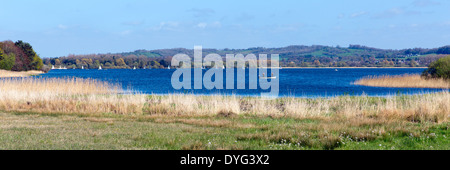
{"x":108,"y":131}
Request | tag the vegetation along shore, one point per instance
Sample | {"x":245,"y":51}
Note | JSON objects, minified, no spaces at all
{"x":436,"y":76}
{"x":75,"y":113}
{"x":5,"y":73}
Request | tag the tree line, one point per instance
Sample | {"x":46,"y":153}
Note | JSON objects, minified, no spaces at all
{"x":291,"y":56}
{"x":19,"y":56}
{"x":109,"y":61}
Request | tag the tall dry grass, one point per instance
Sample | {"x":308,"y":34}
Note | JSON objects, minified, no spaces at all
{"x":5,"y":73}
{"x":86,"y":96}
{"x":407,"y":80}
{"x":66,"y":95}
{"x":426,"y":107}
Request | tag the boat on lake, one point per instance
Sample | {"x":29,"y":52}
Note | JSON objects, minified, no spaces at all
{"x":264,"y":77}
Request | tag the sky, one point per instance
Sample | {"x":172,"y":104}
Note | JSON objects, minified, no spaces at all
{"x":57,"y":28}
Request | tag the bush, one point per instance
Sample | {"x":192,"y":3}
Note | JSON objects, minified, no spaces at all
{"x":438,"y":69}
{"x":7,"y":62}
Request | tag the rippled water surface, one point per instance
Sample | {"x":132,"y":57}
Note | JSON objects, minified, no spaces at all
{"x":308,"y":82}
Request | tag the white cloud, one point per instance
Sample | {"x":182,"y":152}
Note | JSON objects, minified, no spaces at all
{"x":202,"y":25}
{"x":170,"y":25}
{"x":216,"y":24}
{"x":126,"y":32}
{"x":394,"y":12}
{"x":392,"y":26}
{"x":358,"y":14}
{"x":63,"y":27}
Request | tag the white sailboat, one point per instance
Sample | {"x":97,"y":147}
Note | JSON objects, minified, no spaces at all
{"x":82,"y":67}
{"x":53,"y":67}
{"x":168,"y":67}
{"x":134,"y":68}
{"x":264,"y":77}
{"x":99,"y":67}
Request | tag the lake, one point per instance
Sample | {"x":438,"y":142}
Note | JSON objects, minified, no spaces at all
{"x":308,"y":82}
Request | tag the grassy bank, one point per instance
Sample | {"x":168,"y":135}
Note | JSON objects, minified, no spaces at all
{"x":412,"y":81}
{"x":62,"y":131}
{"x":5,"y":73}
{"x":88,"y":114}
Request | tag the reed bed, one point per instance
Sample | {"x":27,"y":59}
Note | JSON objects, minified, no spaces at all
{"x":425,"y":107}
{"x":87,"y":96}
{"x":66,"y":95}
{"x":5,"y":73}
{"x":406,"y":80}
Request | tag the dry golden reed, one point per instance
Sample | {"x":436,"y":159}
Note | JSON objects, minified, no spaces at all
{"x":5,"y":73}
{"x":87,"y":96}
{"x":433,"y":107}
{"x":66,"y":95}
{"x":406,"y":80}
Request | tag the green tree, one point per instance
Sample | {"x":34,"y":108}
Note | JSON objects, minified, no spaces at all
{"x":31,"y":62}
{"x":78,"y":63}
{"x":292,"y":64}
{"x":37,"y":63}
{"x":412,"y":63}
{"x":57,"y":62}
{"x":155,"y":64}
{"x":120,"y":62}
{"x":97,"y":63}
{"x":1,"y":54}
{"x":317,"y":63}
{"x":342,"y":64}
{"x":87,"y":62}
{"x":438,"y":69}
{"x":304,"y":64}
{"x":8,"y":61}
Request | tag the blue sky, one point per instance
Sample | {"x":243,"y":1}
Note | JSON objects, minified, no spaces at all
{"x":58,"y":28}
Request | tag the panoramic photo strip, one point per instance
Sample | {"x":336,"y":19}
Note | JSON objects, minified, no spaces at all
{"x":245,"y":82}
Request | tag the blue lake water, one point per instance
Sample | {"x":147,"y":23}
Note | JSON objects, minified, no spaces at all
{"x":308,"y":82}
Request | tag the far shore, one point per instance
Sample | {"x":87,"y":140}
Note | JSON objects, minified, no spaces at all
{"x":6,"y":73}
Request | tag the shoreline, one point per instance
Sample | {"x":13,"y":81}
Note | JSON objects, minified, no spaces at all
{"x":261,"y":68}
{"x":12,"y":74}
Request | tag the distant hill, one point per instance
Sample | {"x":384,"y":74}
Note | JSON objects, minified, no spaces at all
{"x":305,"y":51}
{"x":291,"y":56}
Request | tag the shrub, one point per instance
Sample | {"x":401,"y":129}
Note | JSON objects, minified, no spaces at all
{"x":438,"y":69}
{"x":7,"y":62}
